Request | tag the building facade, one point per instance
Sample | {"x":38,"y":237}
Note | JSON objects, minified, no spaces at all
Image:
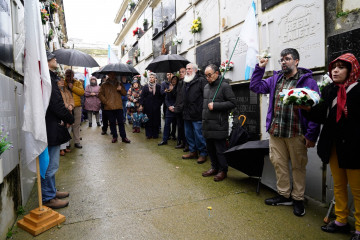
{"x":319,"y":30}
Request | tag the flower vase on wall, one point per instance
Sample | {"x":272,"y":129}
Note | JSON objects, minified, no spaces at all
{"x":197,"y":37}
{"x":178,"y":47}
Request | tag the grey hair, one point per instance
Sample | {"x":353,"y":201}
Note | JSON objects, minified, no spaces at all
{"x":153,"y":74}
{"x":213,"y":67}
{"x":193,"y":65}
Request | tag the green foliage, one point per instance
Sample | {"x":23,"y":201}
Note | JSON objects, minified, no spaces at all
{"x":9,"y":234}
{"x":20,"y":210}
{"x":342,"y":14}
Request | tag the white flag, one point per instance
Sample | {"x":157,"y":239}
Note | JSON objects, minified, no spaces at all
{"x":37,"y":85}
{"x":249,"y":35}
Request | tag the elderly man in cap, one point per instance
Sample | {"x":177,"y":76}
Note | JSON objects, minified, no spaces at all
{"x":56,"y":114}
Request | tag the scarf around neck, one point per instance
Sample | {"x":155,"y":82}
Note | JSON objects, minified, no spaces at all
{"x":353,"y":77}
{"x":152,"y":88}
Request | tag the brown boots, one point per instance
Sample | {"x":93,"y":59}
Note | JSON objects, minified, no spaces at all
{"x":136,"y":130}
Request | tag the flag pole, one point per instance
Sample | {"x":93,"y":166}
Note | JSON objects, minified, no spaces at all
{"x":39,"y":184}
{"x":226,"y":66}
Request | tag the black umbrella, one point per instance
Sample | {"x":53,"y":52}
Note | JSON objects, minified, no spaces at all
{"x":118,"y":68}
{"x":97,"y":74}
{"x":133,"y":70}
{"x":73,"y":57}
{"x":249,"y":158}
{"x":167,"y":63}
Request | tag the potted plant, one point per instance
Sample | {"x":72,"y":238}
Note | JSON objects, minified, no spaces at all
{"x":124,"y":20}
{"x":145,"y":24}
{"x":164,"y":21}
{"x":128,"y":62}
{"x":54,"y":7}
{"x":226,"y":65}
{"x":44,"y":16}
{"x":131,"y":5}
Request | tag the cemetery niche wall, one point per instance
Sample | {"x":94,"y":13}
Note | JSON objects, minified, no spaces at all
{"x":208,"y":53}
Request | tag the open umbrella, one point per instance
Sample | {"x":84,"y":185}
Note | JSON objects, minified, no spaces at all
{"x":97,"y":74}
{"x":167,"y":63}
{"x":249,"y":158}
{"x":73,"y":57}
{"x":118,"y":68}
{"x":133,"y":70}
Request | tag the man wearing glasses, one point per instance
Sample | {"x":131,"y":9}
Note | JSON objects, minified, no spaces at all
{"x":290,"y":133}
{"x":215,"y":123}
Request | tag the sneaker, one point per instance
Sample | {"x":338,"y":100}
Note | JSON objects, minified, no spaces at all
{"x":299,"y":209}
{"x":331,"y":227}
{"x":56,"y":203}
{"x":355,"y":236}
{"x":279,"y":200}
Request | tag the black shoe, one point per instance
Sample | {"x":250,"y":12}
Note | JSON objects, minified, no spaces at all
{"x":331,"y":227}
{"x":103,"y":133}
{"x":279,"y":200}
{"x":299,"y":209}
{"x":162,"y":143}
{"x":98,"y":124}
{"x":173,"y":138}
{"x":90,"y":124}
{"x":77,"y":145}
{"x":186,"y":149}
{"x":355,"y":236}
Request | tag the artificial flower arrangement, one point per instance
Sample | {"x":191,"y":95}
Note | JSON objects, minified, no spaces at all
{"x":54,"y":7}
{"x":300,"y":96}
{"x":50,"y":35}
{"x":196,"y":26}
{"x":137,"y":53}
{"x":128,"y":62}
{"x":176,"y":40}
{"x":145,"y":74}
{"x":44,"y":16}
{"x":226,"y":65}
{"x":124,"y":20}
{"x":137,"y":30}
{"x":131,"y":4}
{"x":4,"y":142}
{"x":326,"y":80}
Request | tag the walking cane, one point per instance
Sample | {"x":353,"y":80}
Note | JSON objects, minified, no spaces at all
{"x":326,"y":218}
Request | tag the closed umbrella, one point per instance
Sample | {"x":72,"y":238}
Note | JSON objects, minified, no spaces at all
{"x":167,"y":63}
{"x":73,"y":57}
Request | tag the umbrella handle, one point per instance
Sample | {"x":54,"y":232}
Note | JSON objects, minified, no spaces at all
{"x":243,"y":120}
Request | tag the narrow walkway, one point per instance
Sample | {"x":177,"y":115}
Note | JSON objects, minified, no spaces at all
{"x":143,"y":191}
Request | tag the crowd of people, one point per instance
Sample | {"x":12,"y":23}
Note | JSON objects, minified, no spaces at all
{"x":195,"y":108}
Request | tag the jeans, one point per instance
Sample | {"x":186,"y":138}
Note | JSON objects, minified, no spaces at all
{"x":116,"y":116}
{"x":194,"y":137}
{"x":124,"y":109}
{"x":48,"y":188}
{"x":76,"y":126}
{"x":168,"y":122}
{"x":97,"y":116}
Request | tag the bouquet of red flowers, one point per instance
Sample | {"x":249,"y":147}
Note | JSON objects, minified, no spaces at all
{"x":299,"y":96}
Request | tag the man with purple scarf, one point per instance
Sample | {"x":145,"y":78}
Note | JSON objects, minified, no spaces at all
{"x":290,"y":133}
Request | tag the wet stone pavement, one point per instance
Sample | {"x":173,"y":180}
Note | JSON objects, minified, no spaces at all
{"x":143,"y":191}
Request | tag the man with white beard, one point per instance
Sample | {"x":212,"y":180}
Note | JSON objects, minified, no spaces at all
{"x":193,"y":89}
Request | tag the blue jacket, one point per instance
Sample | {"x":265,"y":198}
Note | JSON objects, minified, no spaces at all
{"x":268,"y":86}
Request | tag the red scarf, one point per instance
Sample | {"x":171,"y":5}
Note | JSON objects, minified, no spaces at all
{"x":353,"y":77}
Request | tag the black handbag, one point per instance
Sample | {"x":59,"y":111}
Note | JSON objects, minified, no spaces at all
{"x":63,"y":134}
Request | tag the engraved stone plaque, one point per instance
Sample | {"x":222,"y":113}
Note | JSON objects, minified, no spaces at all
{"x":208,"y":53}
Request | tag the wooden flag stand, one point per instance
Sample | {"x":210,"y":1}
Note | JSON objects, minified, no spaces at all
{"x":42,"y":218}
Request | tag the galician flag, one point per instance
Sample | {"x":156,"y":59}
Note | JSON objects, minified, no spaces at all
{"x":112,"y":58}
{"x":86,"y":77}
{"x":37,"y":86}
{"x":249,"y":35}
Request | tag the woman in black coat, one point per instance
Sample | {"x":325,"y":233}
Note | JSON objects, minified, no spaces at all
{"x":339,"y":138}
{"x":151,"y":100}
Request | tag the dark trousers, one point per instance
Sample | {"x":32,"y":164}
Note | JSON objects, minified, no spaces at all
{"x":181,"y":129}
{"x":151,"y":131}
{"x":105,"y":121}
{"x":116,"y":115}
{"x":169,"y":121}
{"x":216,"y":149}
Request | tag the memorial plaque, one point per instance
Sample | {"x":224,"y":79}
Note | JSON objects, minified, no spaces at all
{"x":348,"y":42}
{"x":266,"y":4}
{"x":6,"y":41}
{"x":247,"y":104}
{"x":147,"y":44}
{"x":157,"y":45}
{"x":208,"y":53}
{"x":299,"y":25}
{"x":168,"y":11}
{"x":233,"y":12}
{"x":189,"y":55}
{"x":157,"y":20}
{"x":208,"y":11}
{"x":169,"y":34}
{"x":131,"y":53}
{"x":183,"y":30}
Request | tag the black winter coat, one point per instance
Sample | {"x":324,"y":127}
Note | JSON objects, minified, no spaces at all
{"x":56,"y":112}
{"x":179,"y":103}
{"x":170,"y":99}
{"x":215,"y":124}
{"x":193,"y":98}
{"x":152,"y":105}
{"x":345,"y":134}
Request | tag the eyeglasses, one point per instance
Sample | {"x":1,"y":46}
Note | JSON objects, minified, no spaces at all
{"x":209,"y":75}
{"x":284,"y":60}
